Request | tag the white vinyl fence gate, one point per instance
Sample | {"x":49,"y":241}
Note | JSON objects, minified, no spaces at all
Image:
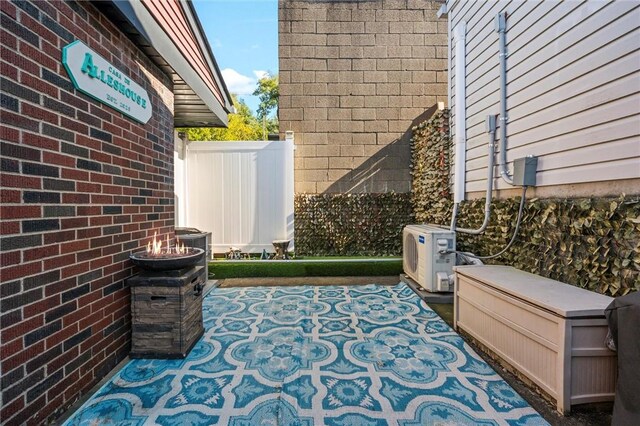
{"x":241,"y":192}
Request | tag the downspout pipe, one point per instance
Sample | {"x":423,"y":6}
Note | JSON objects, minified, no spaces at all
{"x":491,"y":129}
{"x":501,"y":28}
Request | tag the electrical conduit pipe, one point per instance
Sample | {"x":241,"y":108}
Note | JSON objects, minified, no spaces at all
{"x":501,"y":28}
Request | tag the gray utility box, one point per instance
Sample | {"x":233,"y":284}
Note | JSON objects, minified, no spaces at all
{"x":192,"y":237}
{"x":524,"y":171}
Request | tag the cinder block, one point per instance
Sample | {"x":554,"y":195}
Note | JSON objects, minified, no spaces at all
{"x":339,"y":114}
{"x":413,"y":64}
{"x":339,"y":40}
{"x":399,"y":76}
{"x":351,"y":101}
{"x":292,"y":89}
{"x":316,"y":163}
{"x":303,"y":27}
{"x":435,"y":39}
{"x":341,"y":138}
{"x":400,"y":28}
{"x":376,"y":126}
{"x":412,"y":39}
{"x":315,"y":15}
{"x":388,"y":89}
{"x":365,"y":139}
{"x":327,"y":126}
{"x":301,"y":52}
{"x":340,"y":89}
{"x":399,"y":52}
{"x":312,"y":89}
{"x":351,"y":126}
{"x":298,"y":101}
{"x":425,"y":27}
{"x":326,"y":52}
{"x":353,"y":52}
{"x":338,"y":64}
{"x":315,"y":113}
{"x":363,"y":40}
{"x":399,"y":126}
{"x":376,"y":101}
{"x":416,"y":15}
{"x":423,"y":76}
{"x":388,"y":39}
{"x":303,"y":187}
{"x":375,"y":51}
{"x":389,"y":113}
{"x":385,"y":15}
{"x":352,"y":151}
{"x":409,"y":113}
{"x":423,"y":102}
{"x":376,"y":27}
{"x":302,"y":76}
{"x":363,"y":114}
{"x":314,"y":64}
{"x":389,"y":64}
{"x":329,"y":28}
{"x":312,"y":39}
{"x":426,"y":52}
{"x":364,"y":15}
{"x":289,"y":114}
{"x":328,"y":150}
{"x":364,"y":64}
{"x":351,"y":76}
{"x":339,"y":15}
{"x":352,"y":27}
{"x":375,"y":77}
{"x":327,"y":101}
{"x":327,"y":76}
{"x":342,"y":162}
{"x":293,"y":64}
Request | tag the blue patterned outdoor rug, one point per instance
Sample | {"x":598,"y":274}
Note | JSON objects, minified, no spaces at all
{"x":350,"y":356}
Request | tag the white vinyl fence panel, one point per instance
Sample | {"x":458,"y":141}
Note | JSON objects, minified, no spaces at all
{"x":242,"y":192}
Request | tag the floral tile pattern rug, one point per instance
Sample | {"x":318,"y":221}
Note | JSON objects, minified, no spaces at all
{"x":301,"y":356}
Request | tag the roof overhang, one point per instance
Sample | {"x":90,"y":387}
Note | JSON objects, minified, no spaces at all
{"x":196,"y":102}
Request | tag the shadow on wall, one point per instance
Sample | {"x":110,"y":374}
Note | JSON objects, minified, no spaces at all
{"x":388,"y":170}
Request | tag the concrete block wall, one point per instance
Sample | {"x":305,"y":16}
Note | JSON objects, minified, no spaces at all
{"x":355,"y":76}
{"x":82,"y":187}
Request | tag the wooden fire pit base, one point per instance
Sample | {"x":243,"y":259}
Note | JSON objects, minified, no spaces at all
{"x":166,"y":313}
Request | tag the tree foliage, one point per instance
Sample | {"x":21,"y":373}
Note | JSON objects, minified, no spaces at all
{"x":268,"y":92}
{"x":243,"y":126}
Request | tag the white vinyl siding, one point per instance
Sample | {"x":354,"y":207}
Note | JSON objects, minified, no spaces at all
{"x":573,"y":87}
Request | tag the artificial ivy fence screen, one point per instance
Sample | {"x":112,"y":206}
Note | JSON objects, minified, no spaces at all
{"x":591,"y":243}
{"x":351,"y":224}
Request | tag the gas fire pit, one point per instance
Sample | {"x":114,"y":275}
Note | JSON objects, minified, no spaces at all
{"x":168,"y":261}
{"x":166,"y":300}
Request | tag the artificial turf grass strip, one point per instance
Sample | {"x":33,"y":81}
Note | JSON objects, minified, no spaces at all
{"x":300,"y":268}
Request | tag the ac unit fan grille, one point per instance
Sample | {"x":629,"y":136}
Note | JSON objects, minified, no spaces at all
{"x":411,"y":253}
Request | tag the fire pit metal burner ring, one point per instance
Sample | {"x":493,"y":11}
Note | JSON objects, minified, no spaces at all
{"x":166,"y":262}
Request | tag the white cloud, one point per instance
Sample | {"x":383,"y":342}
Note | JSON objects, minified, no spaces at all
{"x":261,"y":74}
{"x":238,"y":83}
{"x":242,"y":84}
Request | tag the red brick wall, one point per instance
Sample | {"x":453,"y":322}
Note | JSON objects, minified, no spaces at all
{"x":82,"y":187}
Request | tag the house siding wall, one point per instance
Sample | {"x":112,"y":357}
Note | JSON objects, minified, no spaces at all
{"x":573,"y":84}
{"x":354,"y":78}
{"x":82,"y":187}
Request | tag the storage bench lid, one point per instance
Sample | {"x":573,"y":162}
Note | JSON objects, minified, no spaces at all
{"x":563,"y":299}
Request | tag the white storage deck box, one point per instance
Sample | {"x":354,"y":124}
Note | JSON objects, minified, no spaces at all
{"x":552,"y":333}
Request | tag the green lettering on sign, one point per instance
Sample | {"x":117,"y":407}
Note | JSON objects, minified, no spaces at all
{"x":98,"y":78}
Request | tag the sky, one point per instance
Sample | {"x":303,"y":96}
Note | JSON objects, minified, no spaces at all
{"x":243,"y":35}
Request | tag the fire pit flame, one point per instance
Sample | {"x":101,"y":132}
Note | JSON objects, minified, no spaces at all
{"x":156,"y":248}
{"x":161,"y":255}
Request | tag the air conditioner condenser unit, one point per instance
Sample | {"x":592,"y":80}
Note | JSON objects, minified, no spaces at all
{"x":422,"y":259}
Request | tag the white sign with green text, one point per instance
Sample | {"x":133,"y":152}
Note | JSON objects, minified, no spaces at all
{"x":95,"y":76}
